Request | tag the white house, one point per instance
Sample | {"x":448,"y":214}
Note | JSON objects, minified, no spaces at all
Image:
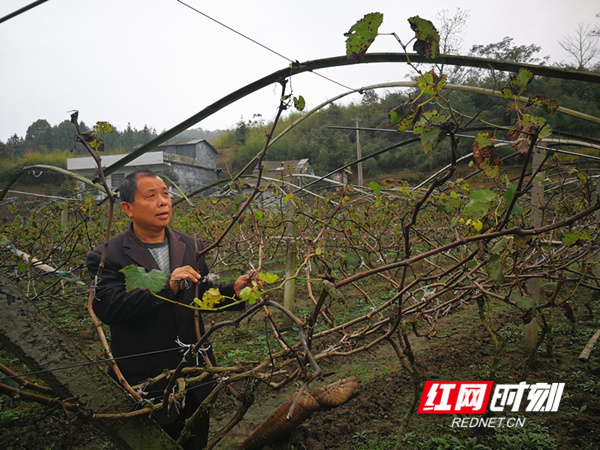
{"x":192,"y":165}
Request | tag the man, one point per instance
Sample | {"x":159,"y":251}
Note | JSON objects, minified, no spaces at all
{"x":146,"y":332}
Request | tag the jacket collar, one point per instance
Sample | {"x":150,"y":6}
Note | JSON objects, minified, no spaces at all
{"x":137,"y":251}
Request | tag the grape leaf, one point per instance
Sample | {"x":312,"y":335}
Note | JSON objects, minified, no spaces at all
{"x":428,"y":39}
{"x":431,"y":129}
{"x":405,"y":116}
{"x":138,"y":278}
{"x":508,"y":197}
{"x":483,"y":196}
{"x":362,"y":34}
{"x":517,"y":84}
{"x":429,"y":83}
{"x":209,"y":299}
{"x":299,"y":103}
{"x":375,"y":186}
{"x":570,"y":238}
{"x":250,"y":294}
{"x":525,"y":303}
{"x":268,"y":277}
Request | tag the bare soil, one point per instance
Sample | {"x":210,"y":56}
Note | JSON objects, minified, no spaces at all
{"x":462,"y":350}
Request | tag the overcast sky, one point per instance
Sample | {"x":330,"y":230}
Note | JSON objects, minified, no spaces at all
{"x":158,"y":62}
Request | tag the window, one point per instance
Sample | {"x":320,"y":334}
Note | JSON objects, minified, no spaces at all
{"x":116,"y":179}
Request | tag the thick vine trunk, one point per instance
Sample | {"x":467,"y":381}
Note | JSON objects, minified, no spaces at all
{"x":36,"y":341}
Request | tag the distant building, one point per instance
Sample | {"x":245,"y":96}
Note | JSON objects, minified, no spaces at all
{"x":278,"y":178}
{"x":277,"y":169}
{"x":192,"y":165}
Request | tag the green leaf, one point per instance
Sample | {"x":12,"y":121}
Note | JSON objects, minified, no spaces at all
{"x":299,"y":103}
{"x":268,"y":277}
{"x":103,"y":127}
{"x":498,"y":247}
{"x":525,"y":303}
{"x":138,"y":278}
{"x":22,"y":265}
{"x":428,"y":39}
{"x":517,"y":83}
{"x":571,"y":238}
{"x":250,"y":294}
{"x":430,"y":138}
{"x":375,"y":186}
{"x":430,"y":130}
{"x":362,"y":34}
{"x":508,"y":197}
{"x":495,"y":269}
{"x":477,"y":210}
{"x":483,"y":196}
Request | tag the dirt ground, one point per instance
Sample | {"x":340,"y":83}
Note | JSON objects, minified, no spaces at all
{"x":370,"y":418}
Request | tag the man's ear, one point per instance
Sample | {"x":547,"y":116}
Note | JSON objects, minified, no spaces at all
{"x":126,"y":209}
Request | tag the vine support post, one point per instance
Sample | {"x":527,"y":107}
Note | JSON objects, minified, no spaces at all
{"x":64,"y":217}
{"x":359,"y":169}
{"x":291,"y":262}
{"x":533,"y":285}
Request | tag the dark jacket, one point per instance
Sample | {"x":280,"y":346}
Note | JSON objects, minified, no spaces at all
{"x":140,"y":323}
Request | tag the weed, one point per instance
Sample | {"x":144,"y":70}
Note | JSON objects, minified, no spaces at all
{"x":513,"y":333}
{"x":531,"y":436}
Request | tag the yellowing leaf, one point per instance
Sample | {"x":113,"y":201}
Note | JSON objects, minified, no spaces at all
{"x":268,"y":277}
{"x":210,"y":298}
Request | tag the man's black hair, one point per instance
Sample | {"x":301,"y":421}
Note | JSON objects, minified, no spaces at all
{"x":128,"y":186}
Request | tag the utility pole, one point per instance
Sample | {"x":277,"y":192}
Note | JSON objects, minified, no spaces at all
{"x":358,"y":153}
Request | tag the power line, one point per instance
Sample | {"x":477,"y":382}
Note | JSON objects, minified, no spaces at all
{"x":22,"y":10}
{"x":261,"y":45}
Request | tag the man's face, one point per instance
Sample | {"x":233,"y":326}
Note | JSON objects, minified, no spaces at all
{"x":151,"y":207}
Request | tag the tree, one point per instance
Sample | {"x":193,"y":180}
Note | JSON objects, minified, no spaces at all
{"x":504,"y":50}
{"x":4,"y":150}
{"x":63,"y":136}
{"x":39,"y":134}
{"x":15,"y":144}
{"x":582,"y":44}
{"x":450,"y":29}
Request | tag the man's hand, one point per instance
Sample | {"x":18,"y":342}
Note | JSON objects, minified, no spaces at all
{"x":245,"y":281}
{"x":183,"y":277}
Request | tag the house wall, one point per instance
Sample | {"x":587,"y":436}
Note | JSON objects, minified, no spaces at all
{"x":192,"y":178}
{"x":192,"y":166}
